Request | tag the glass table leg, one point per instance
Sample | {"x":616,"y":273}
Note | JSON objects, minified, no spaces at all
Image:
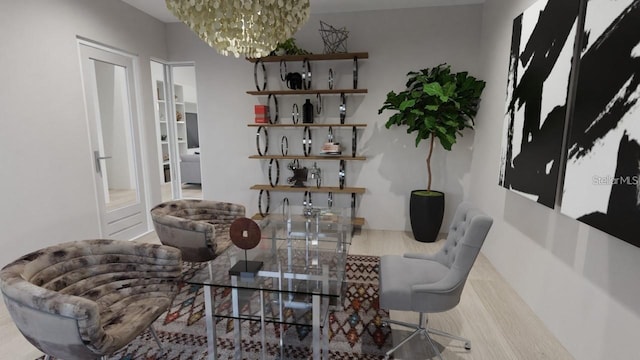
{"x":210,"y":320}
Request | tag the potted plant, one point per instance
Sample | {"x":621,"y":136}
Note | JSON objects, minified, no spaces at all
{"x":436,"y":104}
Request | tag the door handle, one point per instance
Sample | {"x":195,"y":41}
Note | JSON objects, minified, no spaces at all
{"x":97,"y":157}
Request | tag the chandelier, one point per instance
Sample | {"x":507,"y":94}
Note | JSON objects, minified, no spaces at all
{"x":249,"y":27}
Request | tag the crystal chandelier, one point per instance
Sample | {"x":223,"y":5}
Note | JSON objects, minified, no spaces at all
{"x":249,"y":27}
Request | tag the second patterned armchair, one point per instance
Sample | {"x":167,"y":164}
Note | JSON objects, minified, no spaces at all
{"x":199,"y":228}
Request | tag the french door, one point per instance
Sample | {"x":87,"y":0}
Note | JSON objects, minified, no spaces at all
{"x":112,"y":114}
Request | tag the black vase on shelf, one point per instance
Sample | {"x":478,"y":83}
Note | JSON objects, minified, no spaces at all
{"x":307,"y":112}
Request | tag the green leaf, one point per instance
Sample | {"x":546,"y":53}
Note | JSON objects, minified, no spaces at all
{"x":406,"y":104}
{"x":449,"y":89}
{"x":433,"y":89}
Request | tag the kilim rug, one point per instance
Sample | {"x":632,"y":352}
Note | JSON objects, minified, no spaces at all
{"x":355,"y":332}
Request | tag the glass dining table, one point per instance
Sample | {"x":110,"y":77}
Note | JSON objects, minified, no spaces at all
{"x":297,"y":277}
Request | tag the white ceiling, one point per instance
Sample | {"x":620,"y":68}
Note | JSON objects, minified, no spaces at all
{"x":158,"y":9}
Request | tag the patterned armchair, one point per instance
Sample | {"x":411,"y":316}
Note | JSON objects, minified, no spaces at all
{"x":199,"y":228}
{"x":87,"y":299}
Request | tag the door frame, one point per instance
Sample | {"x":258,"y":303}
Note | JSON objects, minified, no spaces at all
{"x":174,"y":153}
{"x":128,"y":222}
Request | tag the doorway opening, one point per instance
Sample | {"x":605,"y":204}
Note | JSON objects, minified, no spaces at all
{"x":176,"y":116}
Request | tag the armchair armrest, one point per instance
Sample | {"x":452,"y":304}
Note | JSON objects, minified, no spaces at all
{"x":185,"y":224}
{"x":420,"y":256}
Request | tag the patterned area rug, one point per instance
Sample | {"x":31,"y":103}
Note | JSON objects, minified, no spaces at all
{"x":356,"y":332}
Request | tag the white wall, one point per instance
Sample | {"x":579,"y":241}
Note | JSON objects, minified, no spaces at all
{"x":186,"y":77}
{"x":581,"y":282}
{"x":47,"y":186}
{"x":400,"y":41}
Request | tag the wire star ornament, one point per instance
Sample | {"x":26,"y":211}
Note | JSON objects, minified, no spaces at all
{"x":335,"y":40}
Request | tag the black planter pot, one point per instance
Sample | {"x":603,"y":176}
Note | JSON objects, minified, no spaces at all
{"x":426,"y":213}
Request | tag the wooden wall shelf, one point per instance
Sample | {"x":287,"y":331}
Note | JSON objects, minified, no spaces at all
{"x":303,"y":125}
{"x":308,"y":92}
{"x":310,"y":157}
{"x":313,"y":57}
{"x":313,"y":189}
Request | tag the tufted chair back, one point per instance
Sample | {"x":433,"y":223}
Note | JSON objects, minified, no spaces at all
{"x":85,"y":299}
{"x":467,"y":232}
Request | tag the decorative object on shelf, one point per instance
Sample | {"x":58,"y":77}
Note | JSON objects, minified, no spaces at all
{"x":330,"y":79}
{"x":353,"y":205}
{"x":276,"y":114}
{"x":335,"y":40}
{"x":284,"y":146}
{"x":179,"y":116}
{"x":307,"y":112}
{"x":294,"y":80}
{"x":245,"y":234}
{"x":306,"y":141}
{"x":288,"y":47}
{"x":163,"y":137}
{"x":307,"y":203}
{"x":283,"y":70}
{"x":295,"y":113}
{"x":262,"y":192}
{"x":355,"y":72}
{"x":300,"y":174}
{"x":330,"y":147}
{"x":266,"y":141}
{"x":354,"y":142}
{"x":318,"y":104}
{"x":435,"y":104}
{"x":261,"y":113}
{"x":233,"y":27}
{"x":271,"y":182}
{"x":330,"y":200}
{"x":342,"y":174}
{"x":306,"y":74}
{"x":343,"y":108}
{"x":264,"y":75}
{"x":316,"y":173}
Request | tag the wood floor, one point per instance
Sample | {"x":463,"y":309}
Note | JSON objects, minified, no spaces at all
{"x":498,"y":323}
{"x":189,"y":191}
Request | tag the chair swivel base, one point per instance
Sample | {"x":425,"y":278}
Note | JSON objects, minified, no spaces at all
{"x":151,"y":330}
{"x":419,"y":329}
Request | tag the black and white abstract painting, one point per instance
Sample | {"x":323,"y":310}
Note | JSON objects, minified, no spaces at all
{"x":601,"y":185}
{"x":542,"y":49}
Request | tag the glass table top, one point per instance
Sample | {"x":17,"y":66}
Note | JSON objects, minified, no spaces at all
{"x":302,"y":251}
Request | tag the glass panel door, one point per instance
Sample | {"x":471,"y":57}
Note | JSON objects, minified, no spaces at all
{"x":109,"y":86}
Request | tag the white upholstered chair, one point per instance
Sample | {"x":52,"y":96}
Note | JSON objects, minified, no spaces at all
{"x":431,"y":283}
